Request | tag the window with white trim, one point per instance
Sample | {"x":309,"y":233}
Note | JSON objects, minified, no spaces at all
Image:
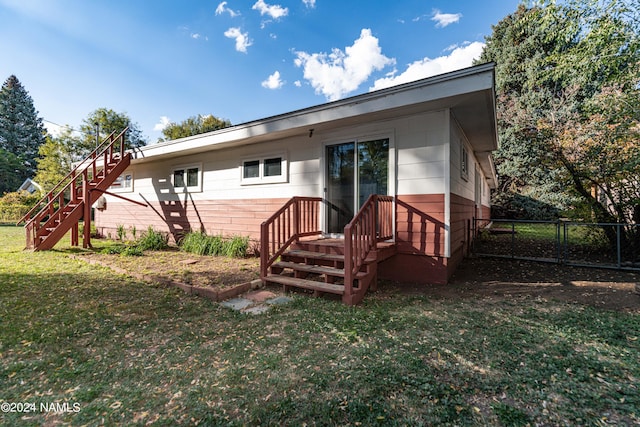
{"x":264,"y":170}
{"x":123,"y":183}
{"x":464,"y":162}
{"x":187,"y":178}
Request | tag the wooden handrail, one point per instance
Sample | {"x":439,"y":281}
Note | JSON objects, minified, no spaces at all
{"x":33,"y":222}
{"x":73,"y":175}
{"x":372,"y":223}
{"x":298,"y":217}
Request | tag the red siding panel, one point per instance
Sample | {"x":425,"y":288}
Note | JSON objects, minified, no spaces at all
{"x":226,"y":217}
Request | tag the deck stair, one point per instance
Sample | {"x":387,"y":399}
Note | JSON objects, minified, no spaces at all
{"x":314,"y":265}
{"x":70,"y":201}
{"x":295,"y":255}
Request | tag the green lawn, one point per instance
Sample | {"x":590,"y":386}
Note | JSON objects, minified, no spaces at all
{"x":129,"y":353}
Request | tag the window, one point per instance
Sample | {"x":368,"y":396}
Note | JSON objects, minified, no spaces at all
{"x":251,"y":169}
{"x":273,"y":167}
{"x":123,"y":183}
{"x":464,"y":162}
{"x":264,"y":170}
{"x":187,"y":178}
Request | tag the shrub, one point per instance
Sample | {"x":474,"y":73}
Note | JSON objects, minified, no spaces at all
{"x":153,"y":240}
{"x":131,"y":251}
{"x":121,"y":232}
{"x":194,"y":242}
{"x":15,"y":205}
{"x":201,"y":244}
{"x":237,"y":247}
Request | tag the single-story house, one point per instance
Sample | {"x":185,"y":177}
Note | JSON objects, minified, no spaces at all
{"x":30,"y":186}
{"x":427,"y":144}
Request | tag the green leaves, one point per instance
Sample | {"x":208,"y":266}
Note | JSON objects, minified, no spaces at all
{"x":194,"y":125}
{"x":567,"y":82}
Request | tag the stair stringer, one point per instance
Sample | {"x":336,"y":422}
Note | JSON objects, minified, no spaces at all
{"x":46,"y":241}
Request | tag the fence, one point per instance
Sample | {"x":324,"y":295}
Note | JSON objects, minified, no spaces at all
{"x":571,"y":243}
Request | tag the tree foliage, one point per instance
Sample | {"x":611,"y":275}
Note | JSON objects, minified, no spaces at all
{"x":567,"y":80}
{"x":56,"y":159}
{"x":194,"y":125}
{"x":21,"y":130}
{"x":12,"y":171}
{"x":108,"y":121}
{"x":58,"y":153}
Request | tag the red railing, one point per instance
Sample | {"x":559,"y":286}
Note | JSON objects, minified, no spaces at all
{"x":51,"y":206}
{"x":299,"y":217}
{"x":372,"y":223}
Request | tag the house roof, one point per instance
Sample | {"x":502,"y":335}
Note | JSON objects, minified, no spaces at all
{"x":469,"y":93}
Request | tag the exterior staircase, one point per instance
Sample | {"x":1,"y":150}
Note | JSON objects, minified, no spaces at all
{"x":61,"y":209}
{"x":294,"y":254}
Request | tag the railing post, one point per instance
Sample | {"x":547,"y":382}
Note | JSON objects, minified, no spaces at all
{"x":264,"y":249}
{"x":619,"y":245}
{"x":296,"y":217}
{"x":86,"y":196}
{"x":513,"y":240}
{"x":348,"y":263}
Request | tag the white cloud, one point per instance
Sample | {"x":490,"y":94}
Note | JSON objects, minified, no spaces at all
{"x":309,"y":3}
{"x":198,"y":36}
{"x":163,"y":123}
{"x":222,"y":8}
{"x":242,"y":39}
{"x":297,"y":83}
{"x":460,"y":57}
{"x":339,"y":73}
{"x":275,"y":11}
{"x":273,"y":81}
{"x":444,"y":19}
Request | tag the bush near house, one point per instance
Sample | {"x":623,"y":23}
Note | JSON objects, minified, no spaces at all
{"x":202,"y":244}
{"x":14,"y":205}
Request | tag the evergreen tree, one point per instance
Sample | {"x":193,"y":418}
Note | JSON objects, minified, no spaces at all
{"x":11,"y":172}
{"x":21,"y":130}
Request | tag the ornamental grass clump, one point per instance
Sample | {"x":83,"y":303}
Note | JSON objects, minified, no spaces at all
{"x":153,"y":240}
{"x":202,"y":244}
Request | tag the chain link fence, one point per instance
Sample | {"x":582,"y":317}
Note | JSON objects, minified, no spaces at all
{"x":571,"y":243}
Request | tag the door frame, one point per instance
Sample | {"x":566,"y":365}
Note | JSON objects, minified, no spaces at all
{"x":391,"y":172}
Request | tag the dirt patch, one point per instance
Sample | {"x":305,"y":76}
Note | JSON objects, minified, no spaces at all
{"x":500,"y":279}
{"x":194,"y":270}
{"x":481,"y":278}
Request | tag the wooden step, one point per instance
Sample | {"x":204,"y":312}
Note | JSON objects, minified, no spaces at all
{"x":297,"y":253}
{"x":306,"y":284}
{"x":316,"y":269}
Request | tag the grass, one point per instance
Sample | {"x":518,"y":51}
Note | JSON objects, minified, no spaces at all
{"x":133,"y":354}
{"x":202,"y":244}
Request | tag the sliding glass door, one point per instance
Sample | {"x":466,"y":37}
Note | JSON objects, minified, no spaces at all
{"x":354,"y":171}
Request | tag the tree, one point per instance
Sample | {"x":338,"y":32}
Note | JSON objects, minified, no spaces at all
{"x":567,"y":85}
{"x":194,"y":125}
{"x":56,"y":158}
{"x":12,"y":171}
{"x":108,"y":121}
{"x":21,"y":130}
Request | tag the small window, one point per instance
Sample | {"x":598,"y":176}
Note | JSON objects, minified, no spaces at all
{"x":251,"y":169}
{"x":192,"y":177}
{"x":187,"y":178}
{"x":123,"y":183}
{"x":178,"y":178}
{"x":265,"y":170}
{"x":273,"y":167}
{"x":464,"y":162}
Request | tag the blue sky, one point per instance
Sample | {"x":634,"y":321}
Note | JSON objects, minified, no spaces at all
{"x":165,"y":60}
